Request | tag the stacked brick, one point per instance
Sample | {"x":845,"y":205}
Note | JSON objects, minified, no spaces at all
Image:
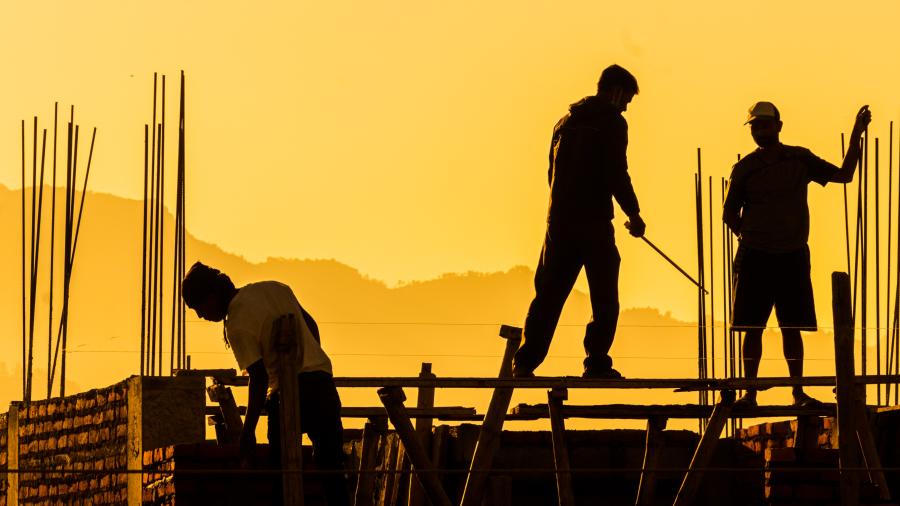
{"x":4,"y":459}
{"x":802,"y":477}
{"x":84,"y":436}
{"x":782,"y":434}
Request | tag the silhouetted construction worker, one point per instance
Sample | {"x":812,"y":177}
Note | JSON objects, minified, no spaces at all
{"x":767,"y":208}
{"x":588,"y":168}
{"x":248,"y":314}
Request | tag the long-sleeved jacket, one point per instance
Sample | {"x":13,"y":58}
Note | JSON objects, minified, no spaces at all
{"x":588,"y":165}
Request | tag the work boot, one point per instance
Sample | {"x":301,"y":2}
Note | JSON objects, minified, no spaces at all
{"x":604,"y":374}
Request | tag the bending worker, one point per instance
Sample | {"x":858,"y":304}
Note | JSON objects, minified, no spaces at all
{"x":248,"y":314}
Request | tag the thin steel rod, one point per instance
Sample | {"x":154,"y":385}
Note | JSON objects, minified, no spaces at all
{"x":846,"y":215}
{"x":144,"y":258}
{"x":162,"y":216}
{"x":35,"y":267}
{"x":877,"y":278}
{"x":52,"y":246}
{"x":865,"y":261}
{"x":672,"y":262}
{"x":26,"y":366}
{"x":24,"y":295}
{"x":712,"y":286}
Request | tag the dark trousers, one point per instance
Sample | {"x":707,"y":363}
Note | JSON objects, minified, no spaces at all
{"x":564,"y":253}
{"x":320,"y":419}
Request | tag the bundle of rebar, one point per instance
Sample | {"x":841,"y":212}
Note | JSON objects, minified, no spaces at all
{"x":153,"y":242}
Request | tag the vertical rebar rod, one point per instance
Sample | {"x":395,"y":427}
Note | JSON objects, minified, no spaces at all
{"x":24,"y":295}
{"x":35,"y":262}
{"x":144,"y":257}
{"x":887,"y":300}
{"x":151,"y":344}
{"x":87,"y":174}
{"x":26,"y":395}
{"x":154,"y":262}
{"x":52,"y":246}
{"x":712,"y":286}
{"x":68,"y":281}
{"x":162,"y":215}
{"x":182,"y":162}
{"x":865,"y":260}
{"x":877,"y":280}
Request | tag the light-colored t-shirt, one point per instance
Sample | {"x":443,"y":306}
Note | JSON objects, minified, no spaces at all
{"x":249,"y":329}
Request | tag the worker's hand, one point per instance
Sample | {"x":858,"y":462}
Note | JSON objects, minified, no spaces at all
{"x":863,"y":117}
{"x":246,"y":446}
{"x":636,"y":225}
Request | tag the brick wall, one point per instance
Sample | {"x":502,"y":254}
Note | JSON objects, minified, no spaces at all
{"x":75,"y":449}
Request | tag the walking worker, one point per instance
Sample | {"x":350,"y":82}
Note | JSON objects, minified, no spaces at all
{"x":766,"y":207}
{"x":588,"y":168}
{"x":248,"y":314}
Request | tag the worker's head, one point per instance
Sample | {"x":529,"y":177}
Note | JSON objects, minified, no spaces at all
{"x":618,"y":86}
{"x":765,"y":124}
{"x":207,"y":291}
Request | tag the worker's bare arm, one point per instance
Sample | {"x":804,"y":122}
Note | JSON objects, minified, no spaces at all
{"x":259,"y":382}
{"x":851,"y":159}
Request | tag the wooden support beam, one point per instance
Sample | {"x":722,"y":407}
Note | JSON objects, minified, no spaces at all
{"x":643,"y":412}
{"x":284,"y":341}
{"x":555,"y":398}
{"x":844,"y":373}
{"x":425,"y":400}
{"x":545,"y":382}
{"x":656,"y":425}
{"x":492,"y":427}
{"x":393,"y":398}
{"x":388,"y":463}
{"x":374,"y":430}
{"x":134,"y":449}
{"x":703,"y":455}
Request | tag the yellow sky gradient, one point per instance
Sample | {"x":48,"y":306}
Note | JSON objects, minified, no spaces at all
{"x":409,"y":139}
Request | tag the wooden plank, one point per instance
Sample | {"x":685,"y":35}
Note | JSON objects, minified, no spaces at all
{"x":391,"y":447}
{"x":844,"y":373}
{"x":870,"y":449}
{"x":374,"y":431}
{"x":643,"y":412}
{"x":393,"y":399}
{"x":555,"y":398}
{"x":424,"y":400}
{"x":284,"y":339}
{"x":492,"y":426}
{"x":655,"y":442}
{"x":452,"y":413}
{"x":703,"y":454}
{"x":229,"y":410}
{"x":208,"y":373}
{"x":545,"y":382}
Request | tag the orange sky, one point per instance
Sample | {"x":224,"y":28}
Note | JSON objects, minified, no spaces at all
{"x":409,"y":139}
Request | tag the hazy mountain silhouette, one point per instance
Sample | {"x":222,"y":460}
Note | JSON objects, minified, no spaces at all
{"x":367,"y":327}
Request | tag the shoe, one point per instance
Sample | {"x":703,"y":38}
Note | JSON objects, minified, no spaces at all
{"x":604,"y":374}
{"x":805,"y":401}
{"x":522,"y":373}
{"x":746,"y":401}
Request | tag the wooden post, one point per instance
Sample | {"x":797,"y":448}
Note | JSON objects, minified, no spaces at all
{"x":702,"y":456}
{"x":284,"y":340}
{"x":492,"y":426}
{"x":374,"y":430}
{"x":12,"y":455}
{"x":135,"y":443}
{"x":844,"y":373}
{"x":655,"y":441}
{"x":423,"y":432}
{"x":393,"y":398}
{"x":555,"y":398}
{"x":389,"y":460}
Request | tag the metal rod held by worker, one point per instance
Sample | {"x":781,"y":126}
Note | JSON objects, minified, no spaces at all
{"x":673,"y":263}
